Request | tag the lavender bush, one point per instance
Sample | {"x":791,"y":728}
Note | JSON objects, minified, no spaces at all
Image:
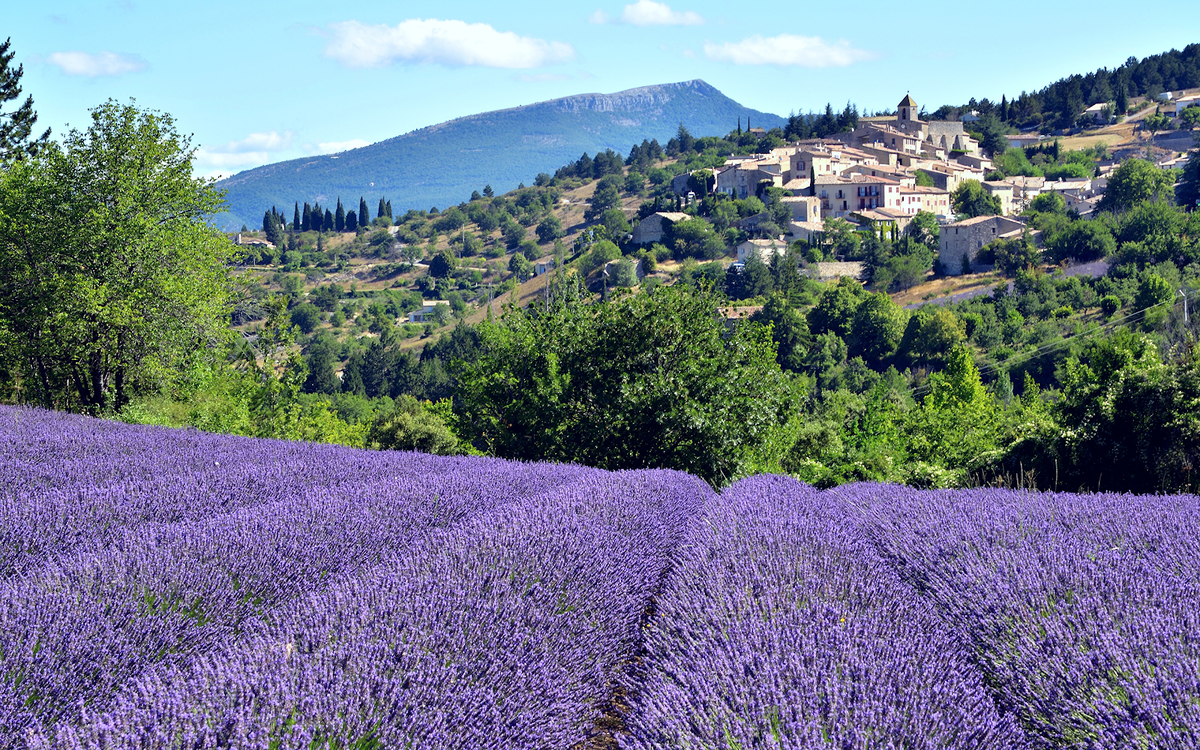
{"x":175,"y":589}
{"x":779,"y":626}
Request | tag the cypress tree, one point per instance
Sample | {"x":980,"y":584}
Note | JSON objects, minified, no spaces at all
{"x":296,"y":218}
{"x":306,"y":224}
{"x":321,"y":377}
{"x":364,"y":217}
{"x":339,"y":218}
{"x":351,"y":222}
{"x":389,"y":209}
{"x":328,"y":226}
{"x":382,"y":210}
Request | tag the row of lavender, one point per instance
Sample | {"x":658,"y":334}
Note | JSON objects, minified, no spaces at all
{"x":881,"y":617}
{"x":176,"y":589}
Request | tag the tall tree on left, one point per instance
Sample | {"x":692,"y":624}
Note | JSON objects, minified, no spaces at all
{"x":111,"y":280}
{"x":16,"y":126}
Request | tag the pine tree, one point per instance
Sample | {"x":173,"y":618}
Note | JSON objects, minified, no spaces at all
{"x":16,"y":127}
{"x":488,"y":192}
{"x":339,"y":218}
{"x":364,"y":217}
{"x":351,"y":222}
{"x":296,"y":218}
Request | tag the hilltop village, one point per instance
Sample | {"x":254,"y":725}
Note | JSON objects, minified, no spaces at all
{"x":880,"y":175}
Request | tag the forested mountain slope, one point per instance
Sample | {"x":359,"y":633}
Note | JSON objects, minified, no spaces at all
{"x":442,"y":164}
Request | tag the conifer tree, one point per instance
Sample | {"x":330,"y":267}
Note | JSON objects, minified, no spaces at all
{"x":488,"y":192}
{"x":382,"y":210}
{"x":306,"y":224}
{"x":296,"y":218}
{"x":339,"y":218}
{"x":16,"y":127}
{"x":351,"y":222}
{"x":389,"y":209}
{"x":328,"y":227}
{"x":364,"y":217}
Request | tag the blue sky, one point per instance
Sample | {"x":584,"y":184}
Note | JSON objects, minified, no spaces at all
{"x":266,"y":81}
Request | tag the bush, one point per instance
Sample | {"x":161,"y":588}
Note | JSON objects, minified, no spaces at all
{"x":1109,"y":305}
{"x":306,"y":317}
{"x":412,"y":426}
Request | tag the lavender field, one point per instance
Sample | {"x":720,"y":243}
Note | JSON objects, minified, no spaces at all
{"x":175,"y":589}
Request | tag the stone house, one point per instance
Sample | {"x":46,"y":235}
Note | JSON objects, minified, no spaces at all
{"x":968,"y":237}
{"x":652,"y":228}
{"x":764,"y":249}
{"x":1002,"y":190}
{"x":803,"y":207}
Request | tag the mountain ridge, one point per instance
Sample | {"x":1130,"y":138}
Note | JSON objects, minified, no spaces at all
{"x":412,"y":171}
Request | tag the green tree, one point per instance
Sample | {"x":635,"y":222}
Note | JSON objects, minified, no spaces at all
{"x":1084,"y":241}
{"x":413,"y":426}
{"x":16,"y":126}
{"x":957,"y":421}
{"x":1188,"y":193}
{"x":931,"y":334}
{"x":970,"y":199}
{"x":694,"y":238}
{"x":624,"y":274}
{"x":648,"y":380}
{"x":601,"y":253}
{"x":1134,"y":182}
{"x":441,"y":264}
{"x":364,"y":216}
{"x":321,"y":377}
{"x":520,"y":267}
{"x":550,"y":229}
{"x":1012,"y":255}
{"x":339,"y":216}
{"x":615,"y":222}
{"x":607,"y":196}
{"x":789,"y":330}
{"x":306,"y":317}
{"x":876,"y":329}
{"x":924,"y":228}
{"x":834,"y":311}
{"x":111,"y":279}
{"x":1049,"y":202}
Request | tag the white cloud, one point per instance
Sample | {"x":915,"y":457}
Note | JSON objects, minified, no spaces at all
{"x":788,"y":50}
{"x":254,"y":149}
{"x":454,"y":43}
{"x":99,"y":64}
{"x":650,"y":13}
{"x":599,"y":17}
{"x":336,"y":147}
{"x":542,"y":77}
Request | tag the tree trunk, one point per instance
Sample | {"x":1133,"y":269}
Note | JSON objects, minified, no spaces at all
{"x":47,"y":402}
